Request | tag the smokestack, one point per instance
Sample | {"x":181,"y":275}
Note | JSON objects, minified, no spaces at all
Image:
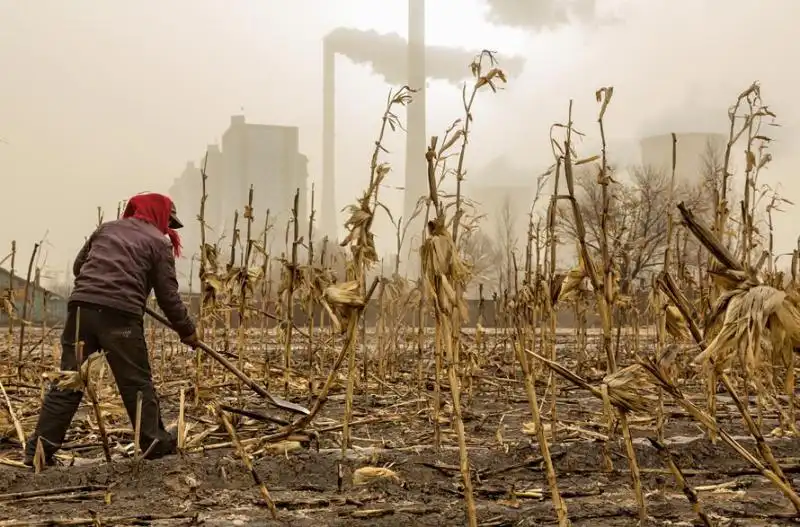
{"x":328,"y":202}
{"x":399,"y":62}
{"x":416,"y":183}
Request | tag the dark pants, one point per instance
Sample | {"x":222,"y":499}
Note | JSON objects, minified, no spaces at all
{"x":121,"y":336}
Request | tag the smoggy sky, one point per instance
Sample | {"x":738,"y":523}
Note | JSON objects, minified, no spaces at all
{"x":100,"y":99}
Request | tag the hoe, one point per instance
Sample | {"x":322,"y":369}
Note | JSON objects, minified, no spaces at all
{"x":271,"y":399}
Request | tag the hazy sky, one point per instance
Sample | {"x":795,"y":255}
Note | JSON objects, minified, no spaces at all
{"x":100,"y":99}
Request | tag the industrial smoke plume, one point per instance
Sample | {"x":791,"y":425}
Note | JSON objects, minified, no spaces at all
{"x":540,"y":14}
{"x":387,"y":55}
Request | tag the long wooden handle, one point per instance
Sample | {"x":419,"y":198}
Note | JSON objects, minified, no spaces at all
{"x":280,"y":403}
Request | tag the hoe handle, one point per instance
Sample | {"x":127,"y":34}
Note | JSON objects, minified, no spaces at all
{"x":222,"y":360}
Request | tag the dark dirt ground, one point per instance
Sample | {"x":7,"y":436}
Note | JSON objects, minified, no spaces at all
{"x":213,"y":488}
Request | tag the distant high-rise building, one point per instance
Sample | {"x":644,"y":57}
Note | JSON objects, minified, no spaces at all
{"x":185,"y":192}
{"x":267,"y":157}
{"x":214,"y":212}
{"x":692,"y":151}
{"x":264,"y":156}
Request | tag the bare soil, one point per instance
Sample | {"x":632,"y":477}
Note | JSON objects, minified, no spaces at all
{"x":313,"y":486}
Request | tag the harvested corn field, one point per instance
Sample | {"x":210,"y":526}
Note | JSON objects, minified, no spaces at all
{"x":678,"y":409}
{"x":392,"y":474}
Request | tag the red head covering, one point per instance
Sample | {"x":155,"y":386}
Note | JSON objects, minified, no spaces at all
{"x":154,"y":209}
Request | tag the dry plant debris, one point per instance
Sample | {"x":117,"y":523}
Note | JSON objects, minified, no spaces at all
{"x":578,"y":396}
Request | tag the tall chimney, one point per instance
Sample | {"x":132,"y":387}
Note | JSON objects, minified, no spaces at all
{"x":328,"y":202}
{"x":416,"y":177}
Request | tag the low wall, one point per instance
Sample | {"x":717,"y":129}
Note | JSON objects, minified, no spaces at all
{"x":51,"y":312}
{"x":492,"y":315}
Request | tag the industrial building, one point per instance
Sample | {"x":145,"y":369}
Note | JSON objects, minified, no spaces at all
{"x":264,"y":156}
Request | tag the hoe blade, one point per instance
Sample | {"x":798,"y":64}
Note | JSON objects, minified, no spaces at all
{"x":283,"y":404}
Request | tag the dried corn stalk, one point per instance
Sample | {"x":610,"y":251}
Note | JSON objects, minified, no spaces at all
{"x":761,"y":327}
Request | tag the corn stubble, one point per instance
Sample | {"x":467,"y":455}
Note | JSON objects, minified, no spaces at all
{"x":723,"y":315}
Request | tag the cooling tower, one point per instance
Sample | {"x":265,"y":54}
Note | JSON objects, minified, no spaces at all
{"x":692,"y":151}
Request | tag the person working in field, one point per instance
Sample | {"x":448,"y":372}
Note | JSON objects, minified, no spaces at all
{"x":115,"y":271}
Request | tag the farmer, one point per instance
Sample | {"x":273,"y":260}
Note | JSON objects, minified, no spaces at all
{"x":118,"y":266}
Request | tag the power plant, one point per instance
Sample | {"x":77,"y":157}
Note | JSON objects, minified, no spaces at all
{"x":267,"y":156}
{"x":400,"y":62}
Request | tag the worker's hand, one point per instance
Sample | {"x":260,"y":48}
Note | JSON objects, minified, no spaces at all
{"x":193,"y":340}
